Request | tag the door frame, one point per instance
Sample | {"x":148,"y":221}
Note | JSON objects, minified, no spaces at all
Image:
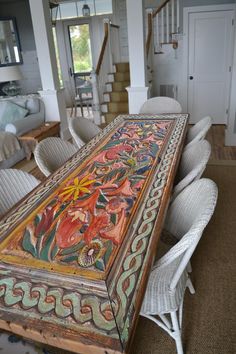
{"x":186,"y":12}
{"x":74,"y":22}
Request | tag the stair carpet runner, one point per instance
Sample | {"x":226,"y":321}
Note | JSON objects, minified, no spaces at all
{"x":116,"y":96}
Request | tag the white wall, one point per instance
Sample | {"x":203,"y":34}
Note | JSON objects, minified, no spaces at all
{"x":168,"y":66}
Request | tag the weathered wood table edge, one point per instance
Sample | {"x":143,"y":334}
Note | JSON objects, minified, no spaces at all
{"x":95,"y":342}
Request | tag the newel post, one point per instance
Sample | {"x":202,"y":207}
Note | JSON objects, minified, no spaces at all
{"x":96,"y":103}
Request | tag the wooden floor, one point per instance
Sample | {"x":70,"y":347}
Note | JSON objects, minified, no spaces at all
{"x":216,"y":137}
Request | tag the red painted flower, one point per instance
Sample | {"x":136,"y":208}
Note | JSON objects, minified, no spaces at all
{"x":45,"y":222}
{"x":123,"y":189}
{"x":90,"y":202}
{"x":98,"y":223}
{"x":115,"y":205}
{"x":115,"y":233}
{"x":67,"y":234}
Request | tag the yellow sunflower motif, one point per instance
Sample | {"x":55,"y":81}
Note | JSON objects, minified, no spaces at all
{"x":77,"y":188}
{"x":90,"y":254}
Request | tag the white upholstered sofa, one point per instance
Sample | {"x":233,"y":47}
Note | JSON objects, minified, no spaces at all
{"x":18,"y":115}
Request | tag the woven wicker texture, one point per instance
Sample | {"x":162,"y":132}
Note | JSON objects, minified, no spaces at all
{"x":157,"y":105}
{"x":198,"y":131}
{"x":192,"y":165}
{"x":187,"y":217}
{"x":52,"y":153}
{"x":14,"y":185}
{"x":82,"y":130}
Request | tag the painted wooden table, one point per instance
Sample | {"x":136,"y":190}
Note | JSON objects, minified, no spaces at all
{"x":76,"y":253}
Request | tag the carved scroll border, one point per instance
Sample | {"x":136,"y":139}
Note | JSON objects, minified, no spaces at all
{"x":40,"y":301}
{"x":123,"y":301}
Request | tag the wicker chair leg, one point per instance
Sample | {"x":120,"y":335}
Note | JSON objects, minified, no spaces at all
{"x":71,"y":111}
{"x":176,"y":332}
{"x":190,"y":286}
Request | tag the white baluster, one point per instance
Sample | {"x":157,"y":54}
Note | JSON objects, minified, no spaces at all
{"x":96,"y":104}
{"x":167,"y":24}
{"x":172,"y":16}
{"x":157,"y":32}
{"x":177,"y":14}
{"x":162,"y":26}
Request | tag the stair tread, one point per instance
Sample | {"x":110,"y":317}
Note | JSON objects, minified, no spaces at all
{"x":114,"y":102}
{"x":115,"y":113}
{"x":120,"y":72}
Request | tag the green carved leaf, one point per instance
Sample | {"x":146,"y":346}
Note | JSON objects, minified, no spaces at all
{"x":102,"y":198}
{"x":54,"y":251}
{"x":27,"y":244}
{"x":100,"y":265}
{"x":122,"y":172}
{"x":108,"y":251}
{"x":36,"y":220}
{"x":113,"y":218}
{"x":69,"y":259}
{"x":45,"y":254}
{"x":72,"y":249}
{"x":100,"y":206}
{"x":61,"y":210}
{"x":112,"y":143}
{"x":110,"y":175}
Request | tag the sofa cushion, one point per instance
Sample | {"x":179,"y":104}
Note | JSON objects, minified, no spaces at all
{"x":32,"y":104}
{"x":19,"y":101}
{"x":10,"y":112}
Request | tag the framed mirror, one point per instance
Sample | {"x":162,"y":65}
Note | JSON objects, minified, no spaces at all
{"x":10,"y":50}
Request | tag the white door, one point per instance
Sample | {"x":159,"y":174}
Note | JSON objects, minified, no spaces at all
{"x":209,"y":64}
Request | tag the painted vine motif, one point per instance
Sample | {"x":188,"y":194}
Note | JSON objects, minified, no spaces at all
{"x":85,"y":220}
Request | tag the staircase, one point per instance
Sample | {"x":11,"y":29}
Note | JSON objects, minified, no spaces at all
{"x":166,"y":25}
{"x":116,"y":96}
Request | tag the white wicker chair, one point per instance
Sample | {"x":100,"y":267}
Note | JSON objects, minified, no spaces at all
{"x":52,"y":153}
{"x":198,"y":131}
{"x":192,"y":165}
{"x":82,"y":130}
{"x":187,"y":217}
{"x":160,"y":105}
{"x":14,"y":185}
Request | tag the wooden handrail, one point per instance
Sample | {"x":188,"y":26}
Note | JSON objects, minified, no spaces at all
{"x":149,"y":36}
{"x":160,"y":8}
{"x":114,"y":26}
{"x":104,"y":43}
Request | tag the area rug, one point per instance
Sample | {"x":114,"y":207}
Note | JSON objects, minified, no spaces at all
{"x":209,"y":324}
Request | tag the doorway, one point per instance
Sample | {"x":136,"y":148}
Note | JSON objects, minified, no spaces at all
{"x":79,"y":51}
{"x":208,"y":51}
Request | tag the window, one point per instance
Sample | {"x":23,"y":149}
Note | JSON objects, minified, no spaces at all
{"x":72,"y":9}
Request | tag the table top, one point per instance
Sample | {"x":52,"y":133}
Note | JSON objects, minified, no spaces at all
{"x":76,"y":253}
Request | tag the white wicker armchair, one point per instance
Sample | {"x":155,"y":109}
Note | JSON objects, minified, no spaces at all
{"x":160,"y":105}
{"x":192,"y":165}
{"x":187,"y":217}
{"x":198,"y":131}
{"x":82,"y":130}
{"x":14,"y":185}
{"x":52,"y":153}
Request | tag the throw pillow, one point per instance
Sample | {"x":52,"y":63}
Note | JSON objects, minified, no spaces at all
{"x":19,"y":101}
{"x":32,"y":105}
{"x":10,"y":113}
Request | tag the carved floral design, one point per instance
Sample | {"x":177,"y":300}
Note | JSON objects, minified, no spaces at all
{"x":95,"y":205}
